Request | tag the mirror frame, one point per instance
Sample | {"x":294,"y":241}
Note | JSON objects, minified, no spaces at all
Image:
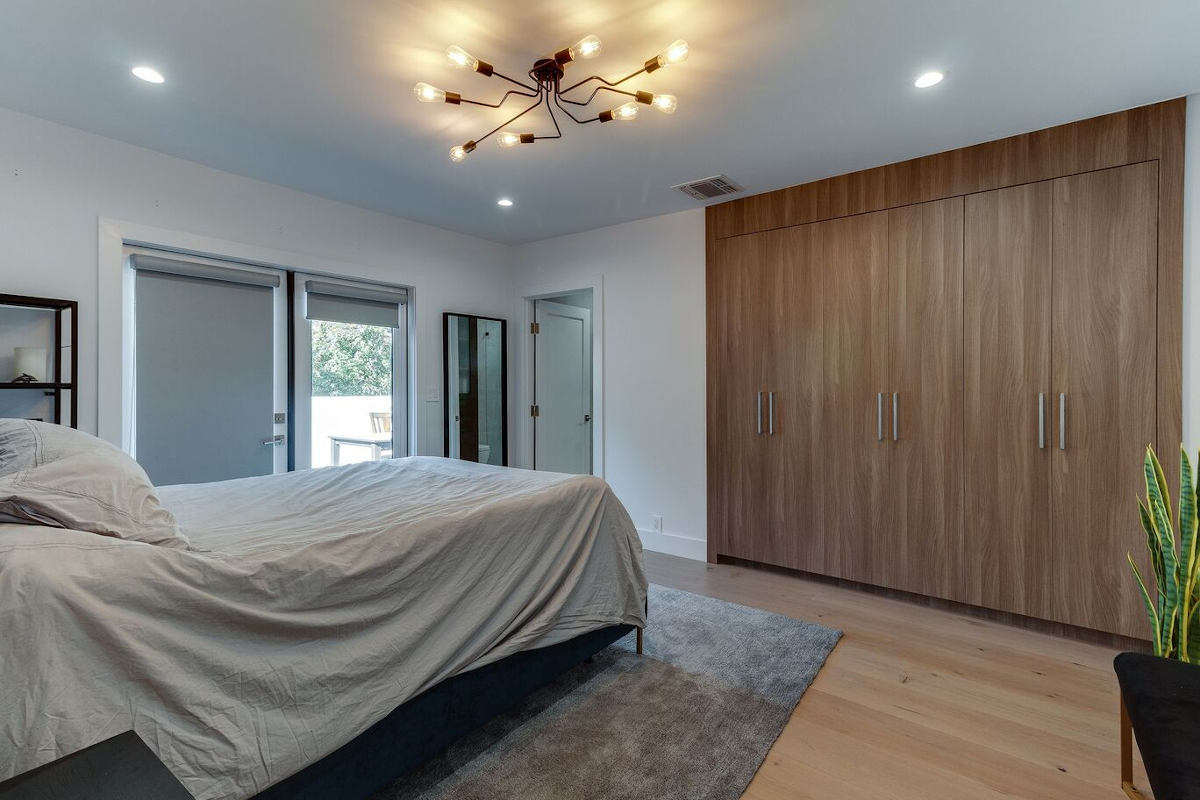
{"x":446,"y":315}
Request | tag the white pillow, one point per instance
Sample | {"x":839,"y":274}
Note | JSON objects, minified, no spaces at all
{"x":58,"y":476}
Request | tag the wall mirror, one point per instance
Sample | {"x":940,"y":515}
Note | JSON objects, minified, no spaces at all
{"x":474,"y":358}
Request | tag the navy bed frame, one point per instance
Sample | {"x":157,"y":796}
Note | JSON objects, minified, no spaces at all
{"x":421,"y":728}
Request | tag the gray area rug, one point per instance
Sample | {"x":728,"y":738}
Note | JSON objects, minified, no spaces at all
{"x":693,"y":718}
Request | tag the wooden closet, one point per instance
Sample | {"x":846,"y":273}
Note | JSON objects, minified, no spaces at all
{"x":950,"y":395}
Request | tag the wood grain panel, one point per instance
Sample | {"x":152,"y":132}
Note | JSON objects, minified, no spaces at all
{"x":1112,"y":140}
{"x":853,"y":460}
{"x":1007,"y":281}
{"x":1126,"y":137}
{"x":791,"y":489}
{"x":738,"y":344}
{"x":1105,"y":287}
{"x":924,"y":551}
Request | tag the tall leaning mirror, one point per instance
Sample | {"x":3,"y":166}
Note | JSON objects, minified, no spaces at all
{"x":476,"y":388}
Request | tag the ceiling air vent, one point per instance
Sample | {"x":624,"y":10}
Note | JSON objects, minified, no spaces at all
{"x":708,"y":188}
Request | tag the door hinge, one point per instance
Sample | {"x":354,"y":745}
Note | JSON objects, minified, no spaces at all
{"x":534,"y":411}
{"x":535,"y":328}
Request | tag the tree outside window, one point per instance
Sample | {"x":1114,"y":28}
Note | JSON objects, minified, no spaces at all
{"x":351,"y":360}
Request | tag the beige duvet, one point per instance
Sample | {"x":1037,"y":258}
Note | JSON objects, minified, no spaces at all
{"x":321,"y":600}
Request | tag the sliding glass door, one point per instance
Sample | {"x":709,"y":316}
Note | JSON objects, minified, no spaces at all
{"x":351,"y":372}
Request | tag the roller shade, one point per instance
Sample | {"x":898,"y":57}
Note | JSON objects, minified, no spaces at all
{"x":333,"y":302}
{"x":192,"y":269}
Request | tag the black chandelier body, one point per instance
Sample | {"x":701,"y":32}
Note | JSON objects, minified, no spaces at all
{"x":546,"y":89}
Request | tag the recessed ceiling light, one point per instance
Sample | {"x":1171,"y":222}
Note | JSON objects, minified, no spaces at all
{"x":928,"y":79}
{"x":504,"y":202}
{"x":148,"y":74}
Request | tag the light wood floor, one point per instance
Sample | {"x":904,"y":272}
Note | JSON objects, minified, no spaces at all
{"x":920,"y":703}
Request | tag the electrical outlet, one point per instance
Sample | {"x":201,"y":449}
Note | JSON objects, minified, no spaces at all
{"x":656,"y":520}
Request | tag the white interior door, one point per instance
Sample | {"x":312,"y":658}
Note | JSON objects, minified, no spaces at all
{"x":205,"y":370}
{"x":562,"y":429}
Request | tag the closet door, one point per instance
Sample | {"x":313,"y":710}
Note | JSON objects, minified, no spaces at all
{"x":739,"y":340}
{"x":1104,"y":345}
{"x":854,"y":407}
{"x":923,"y":552}
{"x":794,"y":501}
{"x":1008,"y":401}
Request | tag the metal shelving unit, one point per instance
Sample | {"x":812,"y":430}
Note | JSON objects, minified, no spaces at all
{"x":65,"y":311}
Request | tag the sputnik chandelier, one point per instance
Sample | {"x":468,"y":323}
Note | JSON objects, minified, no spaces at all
{"x":547,"y":75}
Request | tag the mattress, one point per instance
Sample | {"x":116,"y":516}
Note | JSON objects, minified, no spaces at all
{"x":314,"y":603}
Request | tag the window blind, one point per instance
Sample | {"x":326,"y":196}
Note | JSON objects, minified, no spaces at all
{"x":192,"y":269}
{"x":332,"y":302}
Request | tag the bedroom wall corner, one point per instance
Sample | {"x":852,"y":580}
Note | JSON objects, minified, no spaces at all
{"x":654,"y":364}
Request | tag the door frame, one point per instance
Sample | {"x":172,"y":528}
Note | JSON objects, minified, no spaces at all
{"x":523,"y":457}
{"x":585,"y":317}
{"x":281,"y":346}
{"x":114,"y":322}
{"x":300,"y":413}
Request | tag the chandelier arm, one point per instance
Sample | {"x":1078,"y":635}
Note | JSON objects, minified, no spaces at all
{"x":503,"y":100}
{"x":597,"y":90}
{"x":541,"y":97}
{"x":602,"y":80}
{"x":515,"y":81}
{"x":567,"y":111}
{"x":557,"y":130}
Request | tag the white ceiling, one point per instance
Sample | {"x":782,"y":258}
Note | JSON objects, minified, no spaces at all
{"x":317,"y":94}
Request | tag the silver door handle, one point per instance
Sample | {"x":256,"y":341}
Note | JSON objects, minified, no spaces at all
{"x":895,"y":416}
{"x":1041,"y":420}
{"x":879,"y":416}
{"x":274,"y":441}
{"x":771,"y":413}
{"x":1062,"y":420}
{"x":760,"y":413}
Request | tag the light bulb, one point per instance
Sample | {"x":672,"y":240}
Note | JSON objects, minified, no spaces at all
{"x":459,"y":151}
{"x":460,"y":57}
{"x":429,"y":94}
{"x":587,"y":47}
{"x":508,"y":139}
{"x":677,"y":52}
{"x":665,"y":103}
{"x":627,"y":111}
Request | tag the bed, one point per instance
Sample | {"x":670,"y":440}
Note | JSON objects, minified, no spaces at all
{"x":308,"y":608}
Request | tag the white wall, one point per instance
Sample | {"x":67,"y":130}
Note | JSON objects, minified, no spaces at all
{"x":57,"y":182}
{"x":1191,"y":278}
{"x":654,"y":444}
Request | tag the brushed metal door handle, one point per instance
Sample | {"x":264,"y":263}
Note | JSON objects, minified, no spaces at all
{"x":771,"y":413}
{"x":895,"y":416}
{"x":1062,"y":420}
{"x":760,"y":413}
{"x":879,"y":416}
{"x":1041,"y":420}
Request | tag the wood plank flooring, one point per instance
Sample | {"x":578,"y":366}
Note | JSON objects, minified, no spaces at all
{"x":917,"y":702}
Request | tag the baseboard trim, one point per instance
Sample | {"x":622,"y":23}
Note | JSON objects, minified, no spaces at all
{"x":674,"y":545}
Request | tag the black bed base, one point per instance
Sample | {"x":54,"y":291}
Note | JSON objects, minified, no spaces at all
{"x":424,"y":726}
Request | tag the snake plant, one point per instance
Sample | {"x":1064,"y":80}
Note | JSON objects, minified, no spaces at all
{"x":1173,"y":610}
